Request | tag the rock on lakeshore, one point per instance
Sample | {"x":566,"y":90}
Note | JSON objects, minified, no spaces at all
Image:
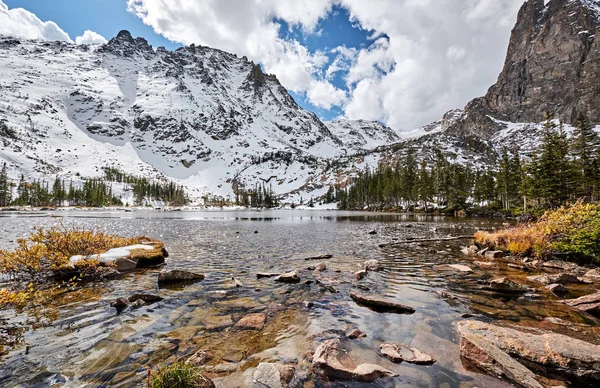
{"x":401,"y":352}
{"x":381,"y":305}
{"x":327,"y":363}
{"x":497,"y":350}
{"x":176,"y":275}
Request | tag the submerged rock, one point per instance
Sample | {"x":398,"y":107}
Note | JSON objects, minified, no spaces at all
{"x":588,"y":303}
{"x":557,"y":278}
{"x":251,"y":322}
{"x":401,"y":352}
{"x":381,"y":305}
{"x":288,"y":277}
{"x":176,"y":275}
{"x":490,"y":348}
{"x":373,"y":265}
{"x":145,"y":297}
{"x":556,"y":289}
{"x":505,"y":285}
{"x":270,"y":375}
{"x":356,"y":333}
{"x":453,"y":267}
{"x":327,"y":363}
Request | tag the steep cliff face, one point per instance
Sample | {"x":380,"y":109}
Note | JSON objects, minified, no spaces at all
{"x":552,"y":65}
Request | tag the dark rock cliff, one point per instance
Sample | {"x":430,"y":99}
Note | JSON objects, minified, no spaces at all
{"x":552,"y":65}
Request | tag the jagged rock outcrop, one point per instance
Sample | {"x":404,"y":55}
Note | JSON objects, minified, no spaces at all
{"x":552,"y":65}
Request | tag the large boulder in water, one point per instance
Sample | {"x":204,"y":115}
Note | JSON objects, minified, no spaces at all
{"x":327,"y":363}
{"x":499,"y":351}
{"x":130,"y":257}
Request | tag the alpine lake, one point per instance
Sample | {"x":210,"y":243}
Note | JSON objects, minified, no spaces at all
{"x":80,"y":341}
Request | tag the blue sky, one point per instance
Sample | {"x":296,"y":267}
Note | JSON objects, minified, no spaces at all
{"x":108,"y":17}
{"x":401,"y":62}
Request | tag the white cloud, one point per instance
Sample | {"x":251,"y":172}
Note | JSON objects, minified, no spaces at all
{"x":324,"y":95}
{"x":428,"y":43}
{"x":21,"y":23}
{"x":456,"y":53}
{"x":90,"y":37}
{"x":412,"y":73}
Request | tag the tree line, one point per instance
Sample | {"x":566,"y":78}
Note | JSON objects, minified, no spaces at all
{"x":92,"y":192}
{"x":561,"y":169}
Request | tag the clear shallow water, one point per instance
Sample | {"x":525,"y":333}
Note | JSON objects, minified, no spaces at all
{"x":81,"y":341}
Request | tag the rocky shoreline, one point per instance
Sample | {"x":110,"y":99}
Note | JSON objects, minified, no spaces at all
{"x":524,"y":356}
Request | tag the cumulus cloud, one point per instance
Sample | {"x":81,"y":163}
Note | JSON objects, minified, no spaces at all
{"x":21,"y":23}
{"x":426,"y":56}
{"x":249,"y":27}
{"x":440,"y":54}
{"x":90,"y":37}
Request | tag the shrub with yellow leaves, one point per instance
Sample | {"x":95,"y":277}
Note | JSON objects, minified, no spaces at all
{"x":47,"y":251}
{"x":572,"y":230}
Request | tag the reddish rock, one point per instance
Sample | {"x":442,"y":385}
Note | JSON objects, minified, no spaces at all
{"x":588,"y":303}
{"x":496,"y":349}
{"x":251,"y":322}
{"x":354,"y":334}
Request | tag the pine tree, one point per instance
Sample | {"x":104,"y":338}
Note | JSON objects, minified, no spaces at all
{"x":5,"y":189}
{"x":584,"y":147}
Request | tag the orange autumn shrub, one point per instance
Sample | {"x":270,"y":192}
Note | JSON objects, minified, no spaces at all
{"x":48,"y":251}
{"x":573,"y":229}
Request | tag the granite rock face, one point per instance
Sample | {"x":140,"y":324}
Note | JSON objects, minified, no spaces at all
{"x":552,"y":64}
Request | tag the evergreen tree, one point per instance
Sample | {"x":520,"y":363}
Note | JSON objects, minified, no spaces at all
{"x":584,"y":148}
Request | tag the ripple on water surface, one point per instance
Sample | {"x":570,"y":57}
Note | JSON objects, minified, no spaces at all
{"x":82,"y":341}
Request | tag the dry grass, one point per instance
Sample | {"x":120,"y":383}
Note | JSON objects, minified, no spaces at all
{"x":47,"y":251}
{"x":573,"y":229}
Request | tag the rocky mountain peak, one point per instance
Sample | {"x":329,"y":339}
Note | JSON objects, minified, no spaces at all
{"x":125,"y":45}
{"x":552,"y":65}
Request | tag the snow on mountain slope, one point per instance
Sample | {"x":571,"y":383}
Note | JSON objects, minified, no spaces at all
{"x":362,"y":134}
{"x":198,"y":115}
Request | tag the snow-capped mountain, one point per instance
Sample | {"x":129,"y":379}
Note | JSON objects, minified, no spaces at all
{"x":362,"y":134}
{"x":212,"y":121}
{"x":198,"y":115}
